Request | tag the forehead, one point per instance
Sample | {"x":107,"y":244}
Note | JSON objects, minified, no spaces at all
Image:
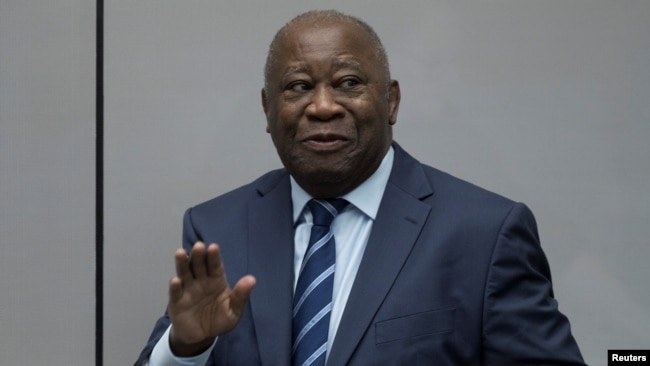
{"x":341,"y":44}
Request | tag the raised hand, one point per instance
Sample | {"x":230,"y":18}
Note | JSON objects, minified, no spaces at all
{"x":202,"y":305}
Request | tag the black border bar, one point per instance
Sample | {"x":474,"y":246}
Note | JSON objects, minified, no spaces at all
{"x":99,"y":186}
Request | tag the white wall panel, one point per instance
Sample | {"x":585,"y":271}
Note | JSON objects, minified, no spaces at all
{"x":47,"y":182}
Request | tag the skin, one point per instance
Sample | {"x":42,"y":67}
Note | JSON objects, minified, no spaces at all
{"x":330,"y":108}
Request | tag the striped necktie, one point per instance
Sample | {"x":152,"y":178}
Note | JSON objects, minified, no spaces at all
{"x":312,"y":302}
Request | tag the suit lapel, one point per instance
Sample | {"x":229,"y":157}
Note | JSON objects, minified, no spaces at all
{"x":397,"y":226}
{"x":271,"y":262}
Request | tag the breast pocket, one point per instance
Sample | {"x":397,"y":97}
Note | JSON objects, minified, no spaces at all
{"x":415,"y":325}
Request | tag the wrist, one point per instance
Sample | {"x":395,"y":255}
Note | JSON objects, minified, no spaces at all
{"x":181,"y":348}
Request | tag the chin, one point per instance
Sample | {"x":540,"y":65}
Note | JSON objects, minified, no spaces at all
{"x":323,"y":176}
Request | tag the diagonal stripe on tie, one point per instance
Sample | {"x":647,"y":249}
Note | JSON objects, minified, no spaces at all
{"x":313,"y":296}
{"x":322,"y":277}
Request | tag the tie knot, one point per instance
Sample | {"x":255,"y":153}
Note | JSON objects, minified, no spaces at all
{"x":324,"y":211}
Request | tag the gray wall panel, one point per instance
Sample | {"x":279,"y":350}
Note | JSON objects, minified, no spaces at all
{"x":47,"y":182}
{"x":544,"y":102}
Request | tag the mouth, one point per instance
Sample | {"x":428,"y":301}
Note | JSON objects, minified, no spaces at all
{"x":325,"y":141}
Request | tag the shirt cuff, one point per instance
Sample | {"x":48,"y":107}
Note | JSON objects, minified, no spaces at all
{"x":162,"y":354}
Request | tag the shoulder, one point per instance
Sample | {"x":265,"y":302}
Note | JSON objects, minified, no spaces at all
{"x":435,"y":186}
{"x":451,"y":188}
{"x":473,"y":207}
{"x":238,"y":198}
{"x":457,"y":203}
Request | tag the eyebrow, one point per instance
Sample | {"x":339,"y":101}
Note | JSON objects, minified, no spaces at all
{"x":352,"y":64}
{"x":294,"y":70}
{"x":339,"y":64}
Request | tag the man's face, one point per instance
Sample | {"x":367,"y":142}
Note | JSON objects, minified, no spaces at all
{"x":329,"y":107}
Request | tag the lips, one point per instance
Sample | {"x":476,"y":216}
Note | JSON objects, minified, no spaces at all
{"x":324,"y":141}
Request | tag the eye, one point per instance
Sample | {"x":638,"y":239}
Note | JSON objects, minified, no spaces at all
{"x":298,"y":86}
{"x":349,"y":83}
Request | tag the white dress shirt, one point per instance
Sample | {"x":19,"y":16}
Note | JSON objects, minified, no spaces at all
{"x":351,"y":230}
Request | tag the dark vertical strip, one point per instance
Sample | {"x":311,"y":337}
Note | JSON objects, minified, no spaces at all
{"x":99,"y":193}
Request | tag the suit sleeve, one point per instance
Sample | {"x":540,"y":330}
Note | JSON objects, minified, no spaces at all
{"x":189,"y":238}
{"x":521,"y":321}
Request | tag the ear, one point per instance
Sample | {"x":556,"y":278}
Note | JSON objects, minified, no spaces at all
{"x":265,"y":107}
{"x":394,"y":97}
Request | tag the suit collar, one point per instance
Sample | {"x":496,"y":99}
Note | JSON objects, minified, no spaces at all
{"x":408,"y":174}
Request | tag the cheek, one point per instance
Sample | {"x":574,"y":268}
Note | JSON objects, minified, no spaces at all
{"x":374,"y":136}
{"x":288,"y":116}
{"x":293,"y":127}
{"x":373,"y":124}
{"x":278,"y":120}
{"x":282,"y":133}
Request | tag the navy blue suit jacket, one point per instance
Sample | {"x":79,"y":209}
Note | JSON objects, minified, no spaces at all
{"x":451,"y":275}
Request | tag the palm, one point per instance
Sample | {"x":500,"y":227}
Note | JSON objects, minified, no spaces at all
{"x":202,"y":305}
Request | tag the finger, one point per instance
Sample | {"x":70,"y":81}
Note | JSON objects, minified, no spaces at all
{"x":214,"y":263}
{"x":182,"y":266}
{"x":175,"y":290}
{"x":197,"y":260}
{"x":241,"y":293}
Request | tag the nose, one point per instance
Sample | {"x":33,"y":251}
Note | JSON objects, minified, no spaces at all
{"x":323,"y":105}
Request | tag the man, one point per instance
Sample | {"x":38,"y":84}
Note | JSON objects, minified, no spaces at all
{"x":428,"y":269}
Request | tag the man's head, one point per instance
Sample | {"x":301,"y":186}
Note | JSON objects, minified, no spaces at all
{"x":329,"y":101}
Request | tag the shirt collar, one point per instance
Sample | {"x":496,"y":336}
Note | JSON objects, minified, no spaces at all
{"x":366,"y":197}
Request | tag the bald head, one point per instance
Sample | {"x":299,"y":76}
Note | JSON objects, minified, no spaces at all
{"x":316,"y":19}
